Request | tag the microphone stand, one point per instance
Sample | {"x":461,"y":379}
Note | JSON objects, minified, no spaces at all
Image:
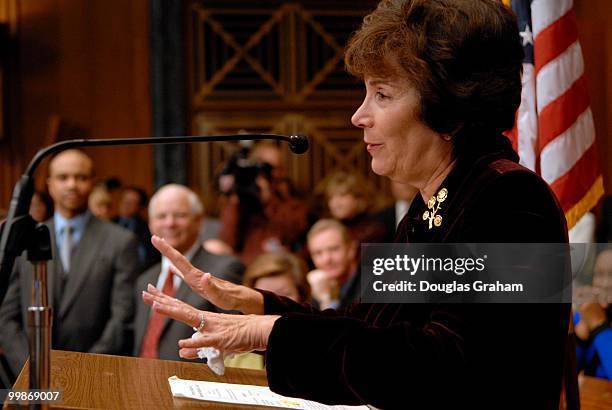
{"x":20,"y":232}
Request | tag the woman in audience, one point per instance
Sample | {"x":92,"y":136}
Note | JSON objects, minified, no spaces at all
{"x":347,"y":202}
{"x":101,"y":202}
{"x":443,"y":81}
{"x":282,"y":274}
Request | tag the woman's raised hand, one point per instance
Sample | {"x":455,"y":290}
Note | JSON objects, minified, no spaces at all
{"x":228,"y":333}
{"x":171,"y":307}
{"x":219,"y":292}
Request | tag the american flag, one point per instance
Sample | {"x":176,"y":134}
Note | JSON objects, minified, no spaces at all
{"x":554,"y":133}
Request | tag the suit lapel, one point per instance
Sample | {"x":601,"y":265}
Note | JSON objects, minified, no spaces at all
{"x":82,"y":261}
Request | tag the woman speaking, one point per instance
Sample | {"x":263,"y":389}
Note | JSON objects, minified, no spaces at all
{"x":443,"y":81}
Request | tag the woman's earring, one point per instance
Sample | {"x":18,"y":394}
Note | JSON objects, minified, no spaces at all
{"x":446,"y":137}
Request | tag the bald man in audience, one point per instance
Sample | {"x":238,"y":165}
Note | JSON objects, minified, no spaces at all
{"x":335,"y":281}
{"x":91,"y":276}
{"x":175,"y":214}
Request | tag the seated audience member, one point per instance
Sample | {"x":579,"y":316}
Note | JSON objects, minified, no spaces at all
{"x":335,"y":281}
{"x":113,"y":186}
{"x":175,"y":214}
{"x":91,"y":277}
{"x":254,"y":219}
{"x":592,"y":322}
{"x":603,"y":267}
{"x":100,"y":202}
{"x":132,"y":206}
{"x":41,"y":206}
{"x":391,"y":216}
{"x":347,"y":202}
{"x":278,"y":272}
{"x":594,"y":339}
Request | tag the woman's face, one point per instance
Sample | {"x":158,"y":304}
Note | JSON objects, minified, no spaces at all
{"x":282,"y":285}
{"x":402,"y":147}
{"x":344,"y":206}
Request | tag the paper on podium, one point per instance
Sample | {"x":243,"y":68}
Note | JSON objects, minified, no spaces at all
{"x":244,"y":394}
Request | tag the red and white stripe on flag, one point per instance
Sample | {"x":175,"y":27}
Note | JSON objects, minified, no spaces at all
{"x":554,"y":133}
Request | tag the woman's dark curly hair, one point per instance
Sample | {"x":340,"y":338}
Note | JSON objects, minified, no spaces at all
{"x":464,"y":58}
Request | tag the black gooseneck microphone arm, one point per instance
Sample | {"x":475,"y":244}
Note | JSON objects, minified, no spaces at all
{"x":297,"y":143}
{"x":16,"y":233}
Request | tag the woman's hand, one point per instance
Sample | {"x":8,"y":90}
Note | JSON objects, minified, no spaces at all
{"x":592,"y":314}
{"x":171,"y":307}
{"x":228,"y":333}
{"x":324,"y":290}
{"x":219,"y":292}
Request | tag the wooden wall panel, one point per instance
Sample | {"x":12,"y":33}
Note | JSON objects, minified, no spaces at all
{"x":276,"y":66}
{"x":86,"y":62}
{"x":13,"y":145}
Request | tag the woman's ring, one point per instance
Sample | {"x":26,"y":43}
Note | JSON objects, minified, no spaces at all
{"x":202,"y":323}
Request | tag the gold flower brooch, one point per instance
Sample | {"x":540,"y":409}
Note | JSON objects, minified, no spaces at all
{"x":434,"y":207}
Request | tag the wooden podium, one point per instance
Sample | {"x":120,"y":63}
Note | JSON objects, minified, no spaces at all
{"x":116,"y":382}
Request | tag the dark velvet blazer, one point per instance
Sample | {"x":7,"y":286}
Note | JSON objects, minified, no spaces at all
{"x":429,"y":356}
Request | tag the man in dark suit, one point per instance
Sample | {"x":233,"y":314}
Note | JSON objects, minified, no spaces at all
{"x":175,"y":214}
{"x":335,"y":281}
{"x":132,"y":204}
{"x":90,"y":279}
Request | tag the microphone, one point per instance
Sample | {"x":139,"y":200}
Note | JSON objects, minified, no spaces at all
{"x":17,"y":233}
{"x":298,"y":144}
